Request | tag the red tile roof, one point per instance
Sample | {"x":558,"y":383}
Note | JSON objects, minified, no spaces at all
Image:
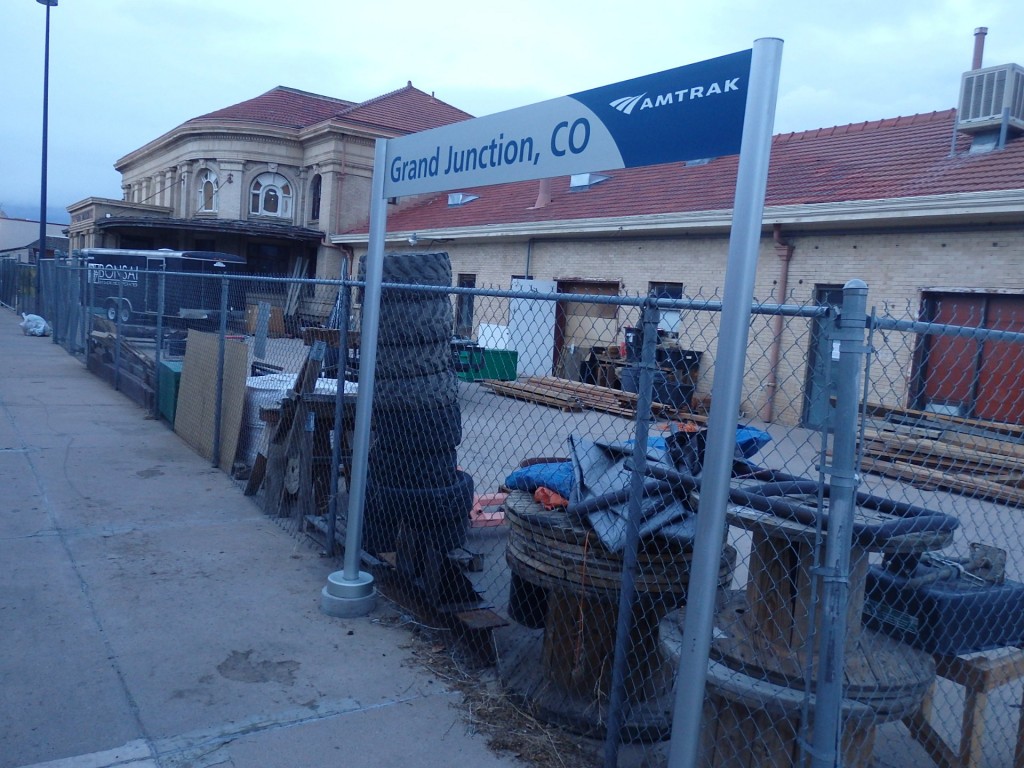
{"x":286,"y":107}
{"x":894,"y":158}
{"x":405,"y":110}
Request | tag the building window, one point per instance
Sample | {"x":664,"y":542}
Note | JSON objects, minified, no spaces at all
{"x":270,"y":195}
{"x":669,"y":320}
{"x":315,"y":188}
{"x":464,"y":307}
{"x":206,"y":192}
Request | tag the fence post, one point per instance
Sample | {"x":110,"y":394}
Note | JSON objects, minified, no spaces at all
{"x":339,"y":408}
{"x":160,"y":287}
{"x":57,"y":326}
{"x":83,"y":298}
{"x":120,"y":332}
{"x":219,"y":403}
{"x":836,"y":567}
{"x":645,"y":387}
{"x":90,"y":298}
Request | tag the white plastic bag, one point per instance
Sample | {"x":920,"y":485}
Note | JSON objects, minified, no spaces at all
{"x":34,"y":325}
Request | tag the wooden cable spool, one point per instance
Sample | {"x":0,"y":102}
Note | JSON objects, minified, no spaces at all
{"x":764,"y":653}
{"x":566,"y":676}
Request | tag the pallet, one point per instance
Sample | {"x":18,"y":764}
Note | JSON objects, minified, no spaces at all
{"x":574,"y":396}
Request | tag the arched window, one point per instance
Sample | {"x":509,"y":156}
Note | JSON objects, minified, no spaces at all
{"x":206,"y":191}
{"x":315,"y":188}
{"x":270,"y":195}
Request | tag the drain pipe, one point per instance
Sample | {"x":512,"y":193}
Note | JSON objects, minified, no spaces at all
{"x":784,"y":251}
{"x":543,"y":198}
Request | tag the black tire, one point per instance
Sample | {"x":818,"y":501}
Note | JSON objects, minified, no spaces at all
{"x":410,"y":269}
{"x":422,"y":431}
{"x":396,"y":296}
{"x":381,"y":520}
{"x":439,"y":515}
{"x":411,"y":360}
{"x":417,"y":268}
{"x":397,"y":316}
{"x":399,"y":469}
{"x":436,"y":390}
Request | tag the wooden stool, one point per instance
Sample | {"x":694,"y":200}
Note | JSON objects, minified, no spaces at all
{"x":979,"y":675}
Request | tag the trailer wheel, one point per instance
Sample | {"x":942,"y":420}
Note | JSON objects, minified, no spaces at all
{"x":126,"y":311}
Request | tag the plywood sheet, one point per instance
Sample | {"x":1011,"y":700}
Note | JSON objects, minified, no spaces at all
{"x":197,"y":396}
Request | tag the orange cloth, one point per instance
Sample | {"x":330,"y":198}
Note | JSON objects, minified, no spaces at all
{"x":549,"y":499}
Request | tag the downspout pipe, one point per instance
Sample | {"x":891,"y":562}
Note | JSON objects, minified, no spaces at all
{"x":784,"y":251}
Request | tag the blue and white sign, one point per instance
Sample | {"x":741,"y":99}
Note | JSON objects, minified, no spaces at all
{"x":687,"y":113}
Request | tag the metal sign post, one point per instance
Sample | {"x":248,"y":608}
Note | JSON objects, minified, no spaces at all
{"x":741,"y":268}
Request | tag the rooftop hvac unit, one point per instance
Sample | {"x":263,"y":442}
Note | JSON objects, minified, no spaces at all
{"x":985,"y":93}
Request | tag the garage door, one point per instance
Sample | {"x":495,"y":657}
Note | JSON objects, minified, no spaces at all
{"x":983,"y":380}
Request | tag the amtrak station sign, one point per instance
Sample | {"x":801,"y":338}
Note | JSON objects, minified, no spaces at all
{"x":688,"y":113}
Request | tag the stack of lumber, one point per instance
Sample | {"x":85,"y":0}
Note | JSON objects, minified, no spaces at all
{"x":574,"y":396}
{"x":104,"y":338}
{"x":983,"y":460}
{"x":121,"y":363}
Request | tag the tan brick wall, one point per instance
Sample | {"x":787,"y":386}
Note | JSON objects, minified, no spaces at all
{"x":897,"y":267}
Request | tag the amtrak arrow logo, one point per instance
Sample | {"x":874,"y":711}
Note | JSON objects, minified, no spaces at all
{"x":627,"y":103}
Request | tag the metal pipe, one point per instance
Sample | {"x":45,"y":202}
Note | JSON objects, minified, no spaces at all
{"x":979,"y":47}
{"x":367,"y":364}
{"x":741,"y":269}
{"x":41,"y":253}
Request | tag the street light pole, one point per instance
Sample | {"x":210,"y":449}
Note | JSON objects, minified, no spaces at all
{"x":42,"y":185}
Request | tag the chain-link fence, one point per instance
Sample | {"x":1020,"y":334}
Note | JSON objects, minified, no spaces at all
{"x":533,"y":483}
{"x":17,"y":285}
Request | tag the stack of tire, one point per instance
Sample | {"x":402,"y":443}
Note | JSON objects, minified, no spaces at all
{"x":415,"y":492}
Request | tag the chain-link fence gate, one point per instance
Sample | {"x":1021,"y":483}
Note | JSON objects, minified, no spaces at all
{"x":532,"y":486}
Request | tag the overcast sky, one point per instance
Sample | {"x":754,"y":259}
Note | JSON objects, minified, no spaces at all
{"x":124,"y":72}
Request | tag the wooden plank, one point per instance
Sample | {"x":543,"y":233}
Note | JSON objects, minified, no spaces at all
{"x":931,"y":479}
{"x":256,"y":475}
{"x":888,"y":411}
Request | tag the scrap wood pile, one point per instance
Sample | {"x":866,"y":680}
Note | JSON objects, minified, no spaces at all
{"x":575,"y":396}
{"x":976,"y":458}
{"x":137,"y":362}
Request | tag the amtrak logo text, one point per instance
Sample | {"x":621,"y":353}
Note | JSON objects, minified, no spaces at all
{"x":627,"y":104}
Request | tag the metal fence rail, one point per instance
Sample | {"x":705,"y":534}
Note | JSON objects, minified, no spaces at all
{"x":533,"y":482}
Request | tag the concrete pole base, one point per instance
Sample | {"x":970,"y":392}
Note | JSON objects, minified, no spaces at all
{"x":345,"y":599}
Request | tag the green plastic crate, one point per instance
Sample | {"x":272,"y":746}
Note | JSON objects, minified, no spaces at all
{"x":169,"y":380}
{"x":498,"y":364}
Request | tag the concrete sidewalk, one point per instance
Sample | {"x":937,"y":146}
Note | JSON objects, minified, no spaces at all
{"x":150,"y":615}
